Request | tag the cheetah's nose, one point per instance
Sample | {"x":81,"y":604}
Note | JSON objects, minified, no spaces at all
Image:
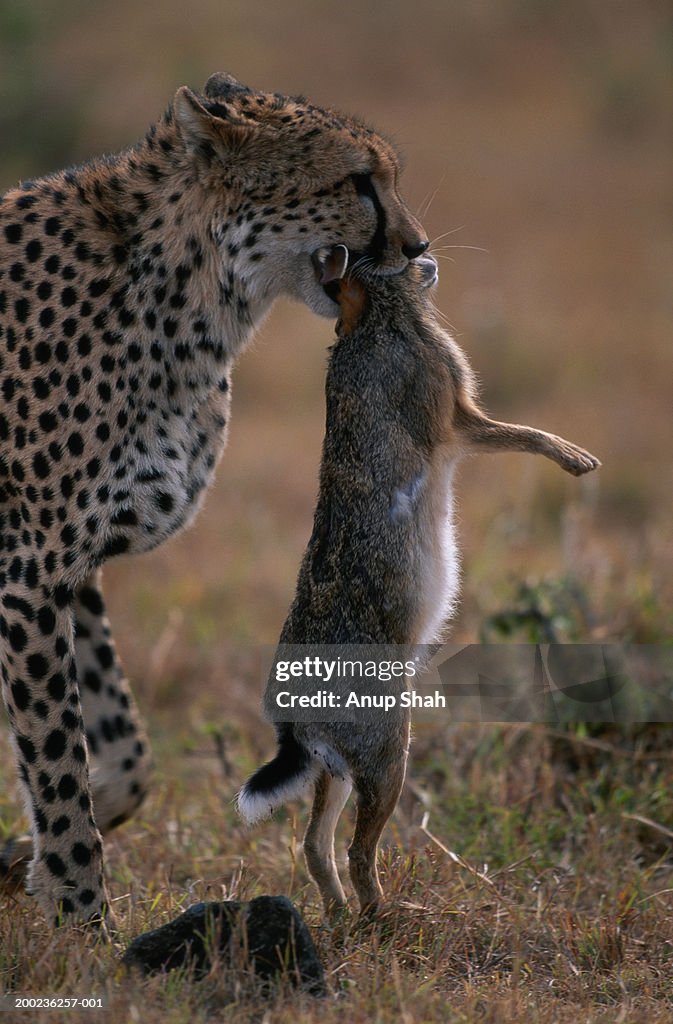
{"x":412,"y":251}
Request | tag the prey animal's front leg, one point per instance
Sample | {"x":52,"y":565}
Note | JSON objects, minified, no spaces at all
{"x":479,"y":433}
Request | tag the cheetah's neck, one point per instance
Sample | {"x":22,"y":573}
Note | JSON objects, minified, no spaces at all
{"x":167,"y":252}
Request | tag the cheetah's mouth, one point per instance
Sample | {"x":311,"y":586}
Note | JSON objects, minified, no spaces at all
{"x":357,"y":262}
{"x":331,"y":290}
{"x":330,"y":264}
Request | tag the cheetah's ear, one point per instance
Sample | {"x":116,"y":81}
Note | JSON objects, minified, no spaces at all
{"x":223,"y":86}
{"x":202,"y":131}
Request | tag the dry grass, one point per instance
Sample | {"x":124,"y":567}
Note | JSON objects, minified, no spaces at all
{"x":544,"y":132}
{"x":519,"y":886}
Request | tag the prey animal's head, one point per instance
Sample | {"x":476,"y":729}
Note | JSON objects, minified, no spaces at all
{"x":352,"y":292}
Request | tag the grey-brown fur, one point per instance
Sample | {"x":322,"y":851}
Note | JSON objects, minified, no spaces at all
{"x":381,"y":565}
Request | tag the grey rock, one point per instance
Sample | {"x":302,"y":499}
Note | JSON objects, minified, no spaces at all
{"x":274,"y":934}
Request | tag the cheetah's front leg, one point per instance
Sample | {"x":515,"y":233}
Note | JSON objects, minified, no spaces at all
{"x":37,"y":655}
{"x":119,"y":753}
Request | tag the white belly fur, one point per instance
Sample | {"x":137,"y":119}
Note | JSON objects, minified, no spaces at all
{"x":439,"y":576}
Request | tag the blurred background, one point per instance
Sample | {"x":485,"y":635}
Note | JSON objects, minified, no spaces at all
{"x":538,"y":145}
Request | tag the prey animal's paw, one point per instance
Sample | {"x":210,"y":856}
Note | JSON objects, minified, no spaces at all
{"x":576,"y":460}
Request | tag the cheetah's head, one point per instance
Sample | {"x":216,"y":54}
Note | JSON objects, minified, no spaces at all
{"x":286,"y":179}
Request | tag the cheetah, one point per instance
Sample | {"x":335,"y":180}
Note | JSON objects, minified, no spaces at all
{"x":128,"y":287}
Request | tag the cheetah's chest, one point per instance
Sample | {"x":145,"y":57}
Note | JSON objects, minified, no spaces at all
{"x":160,"y":485}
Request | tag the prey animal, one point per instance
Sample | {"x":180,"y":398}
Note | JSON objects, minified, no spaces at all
{"x":381,"y":566}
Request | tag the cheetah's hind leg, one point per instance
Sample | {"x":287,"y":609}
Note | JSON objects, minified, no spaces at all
{"x":119,"y":750}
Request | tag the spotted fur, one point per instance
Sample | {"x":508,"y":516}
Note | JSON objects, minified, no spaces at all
{"x":128,"y":286}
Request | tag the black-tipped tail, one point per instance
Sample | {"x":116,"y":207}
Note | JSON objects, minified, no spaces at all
{"x":284,"y":778}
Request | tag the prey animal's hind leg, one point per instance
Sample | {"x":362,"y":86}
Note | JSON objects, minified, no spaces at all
{"x":119,"y":753}
{"x":377,"y":797}
{"x":331,"y":794}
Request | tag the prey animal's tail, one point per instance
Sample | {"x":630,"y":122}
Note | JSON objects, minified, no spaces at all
{"x":284,"y":778}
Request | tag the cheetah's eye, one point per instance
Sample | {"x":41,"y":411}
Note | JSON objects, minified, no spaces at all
{"x":364,"y":186}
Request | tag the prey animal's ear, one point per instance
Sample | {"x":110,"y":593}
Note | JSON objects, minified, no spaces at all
{"x":331,"y":264}
{"x":201,"y":130}
{"x":352,"y":298}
